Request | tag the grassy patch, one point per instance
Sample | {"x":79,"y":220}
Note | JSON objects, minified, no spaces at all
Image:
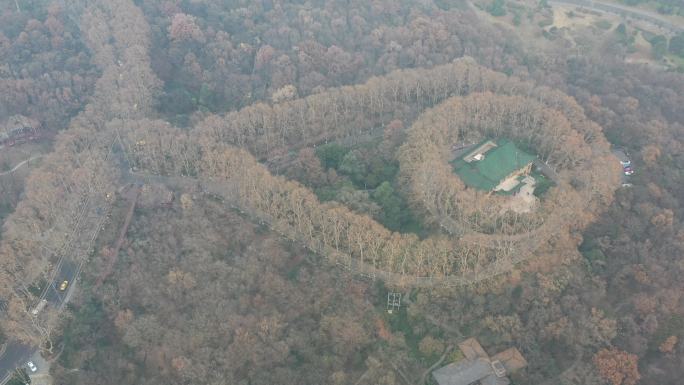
{"x":648,"y":36}
{"x":603,"y":24}
{"x":455,"y":356}
{"x":545,"y":22}
{"x":677,"y":62}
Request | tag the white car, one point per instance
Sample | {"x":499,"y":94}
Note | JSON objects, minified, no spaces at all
{"x":32,"y":366}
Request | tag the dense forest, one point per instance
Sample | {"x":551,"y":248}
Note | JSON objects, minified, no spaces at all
{"x":241,"y":184}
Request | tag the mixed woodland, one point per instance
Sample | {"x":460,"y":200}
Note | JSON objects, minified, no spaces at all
{"x":256,"y":102}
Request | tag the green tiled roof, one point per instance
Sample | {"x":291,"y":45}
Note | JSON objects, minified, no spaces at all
{"x":497,"y":164}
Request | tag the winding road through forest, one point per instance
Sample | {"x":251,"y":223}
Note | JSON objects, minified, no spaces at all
{"x":624,"y":11}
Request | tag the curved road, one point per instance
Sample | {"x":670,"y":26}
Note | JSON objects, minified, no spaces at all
{"x":624,"y":11}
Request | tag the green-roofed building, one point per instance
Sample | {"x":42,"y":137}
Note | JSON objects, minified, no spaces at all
{"x":494,"y":166}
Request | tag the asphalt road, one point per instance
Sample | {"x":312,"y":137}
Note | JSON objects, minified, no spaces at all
{"x":88,"y":227}
{"x":17,"y":354}
{"x":621,"y":10}
{"x":67,"y":272}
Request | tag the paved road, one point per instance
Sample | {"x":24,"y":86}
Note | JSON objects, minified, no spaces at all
{"x":89,"y":223}
{"x":42,"y":375}
{"x":634,"y":13}
{"x":67,"y":272}
{"x":16,"y":355}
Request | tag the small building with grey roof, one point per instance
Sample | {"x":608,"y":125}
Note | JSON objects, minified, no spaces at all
{"x":478,"y":367}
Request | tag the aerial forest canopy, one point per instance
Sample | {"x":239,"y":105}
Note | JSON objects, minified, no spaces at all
{"x":237,"y":190}
{"x":577,"y":148}
{"x":60,"y":213}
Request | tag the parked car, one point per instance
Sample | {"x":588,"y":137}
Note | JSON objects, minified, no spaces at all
{"x":32,"y":366}
{"x":63,"y":285}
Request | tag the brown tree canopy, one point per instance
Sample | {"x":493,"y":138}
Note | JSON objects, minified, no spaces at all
{"x":356,"y":241}
{"x":67,"y":197}
{"x":437,"y":192}
{"x":617,"y":367}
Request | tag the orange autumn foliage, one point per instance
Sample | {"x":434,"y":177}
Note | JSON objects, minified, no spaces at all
{"x":617,"y":366}
{"x":668,"y":345}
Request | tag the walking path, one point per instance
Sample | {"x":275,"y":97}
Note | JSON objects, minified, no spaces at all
{"x":19,"y":165}
{"x":131,"y":195}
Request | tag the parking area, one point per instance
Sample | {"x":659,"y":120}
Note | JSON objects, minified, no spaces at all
{"x":42,"y":374}
{"x":626,"y":163}
{"x":523,"y":201}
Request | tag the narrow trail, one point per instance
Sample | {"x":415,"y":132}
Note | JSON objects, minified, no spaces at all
{"x":131,"y":195}
{"x":19,"y":165}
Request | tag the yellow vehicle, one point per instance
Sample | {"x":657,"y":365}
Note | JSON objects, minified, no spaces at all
{"x":63,"y":285}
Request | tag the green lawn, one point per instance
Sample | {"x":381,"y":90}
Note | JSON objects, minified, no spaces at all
{"x":677,"y":60}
